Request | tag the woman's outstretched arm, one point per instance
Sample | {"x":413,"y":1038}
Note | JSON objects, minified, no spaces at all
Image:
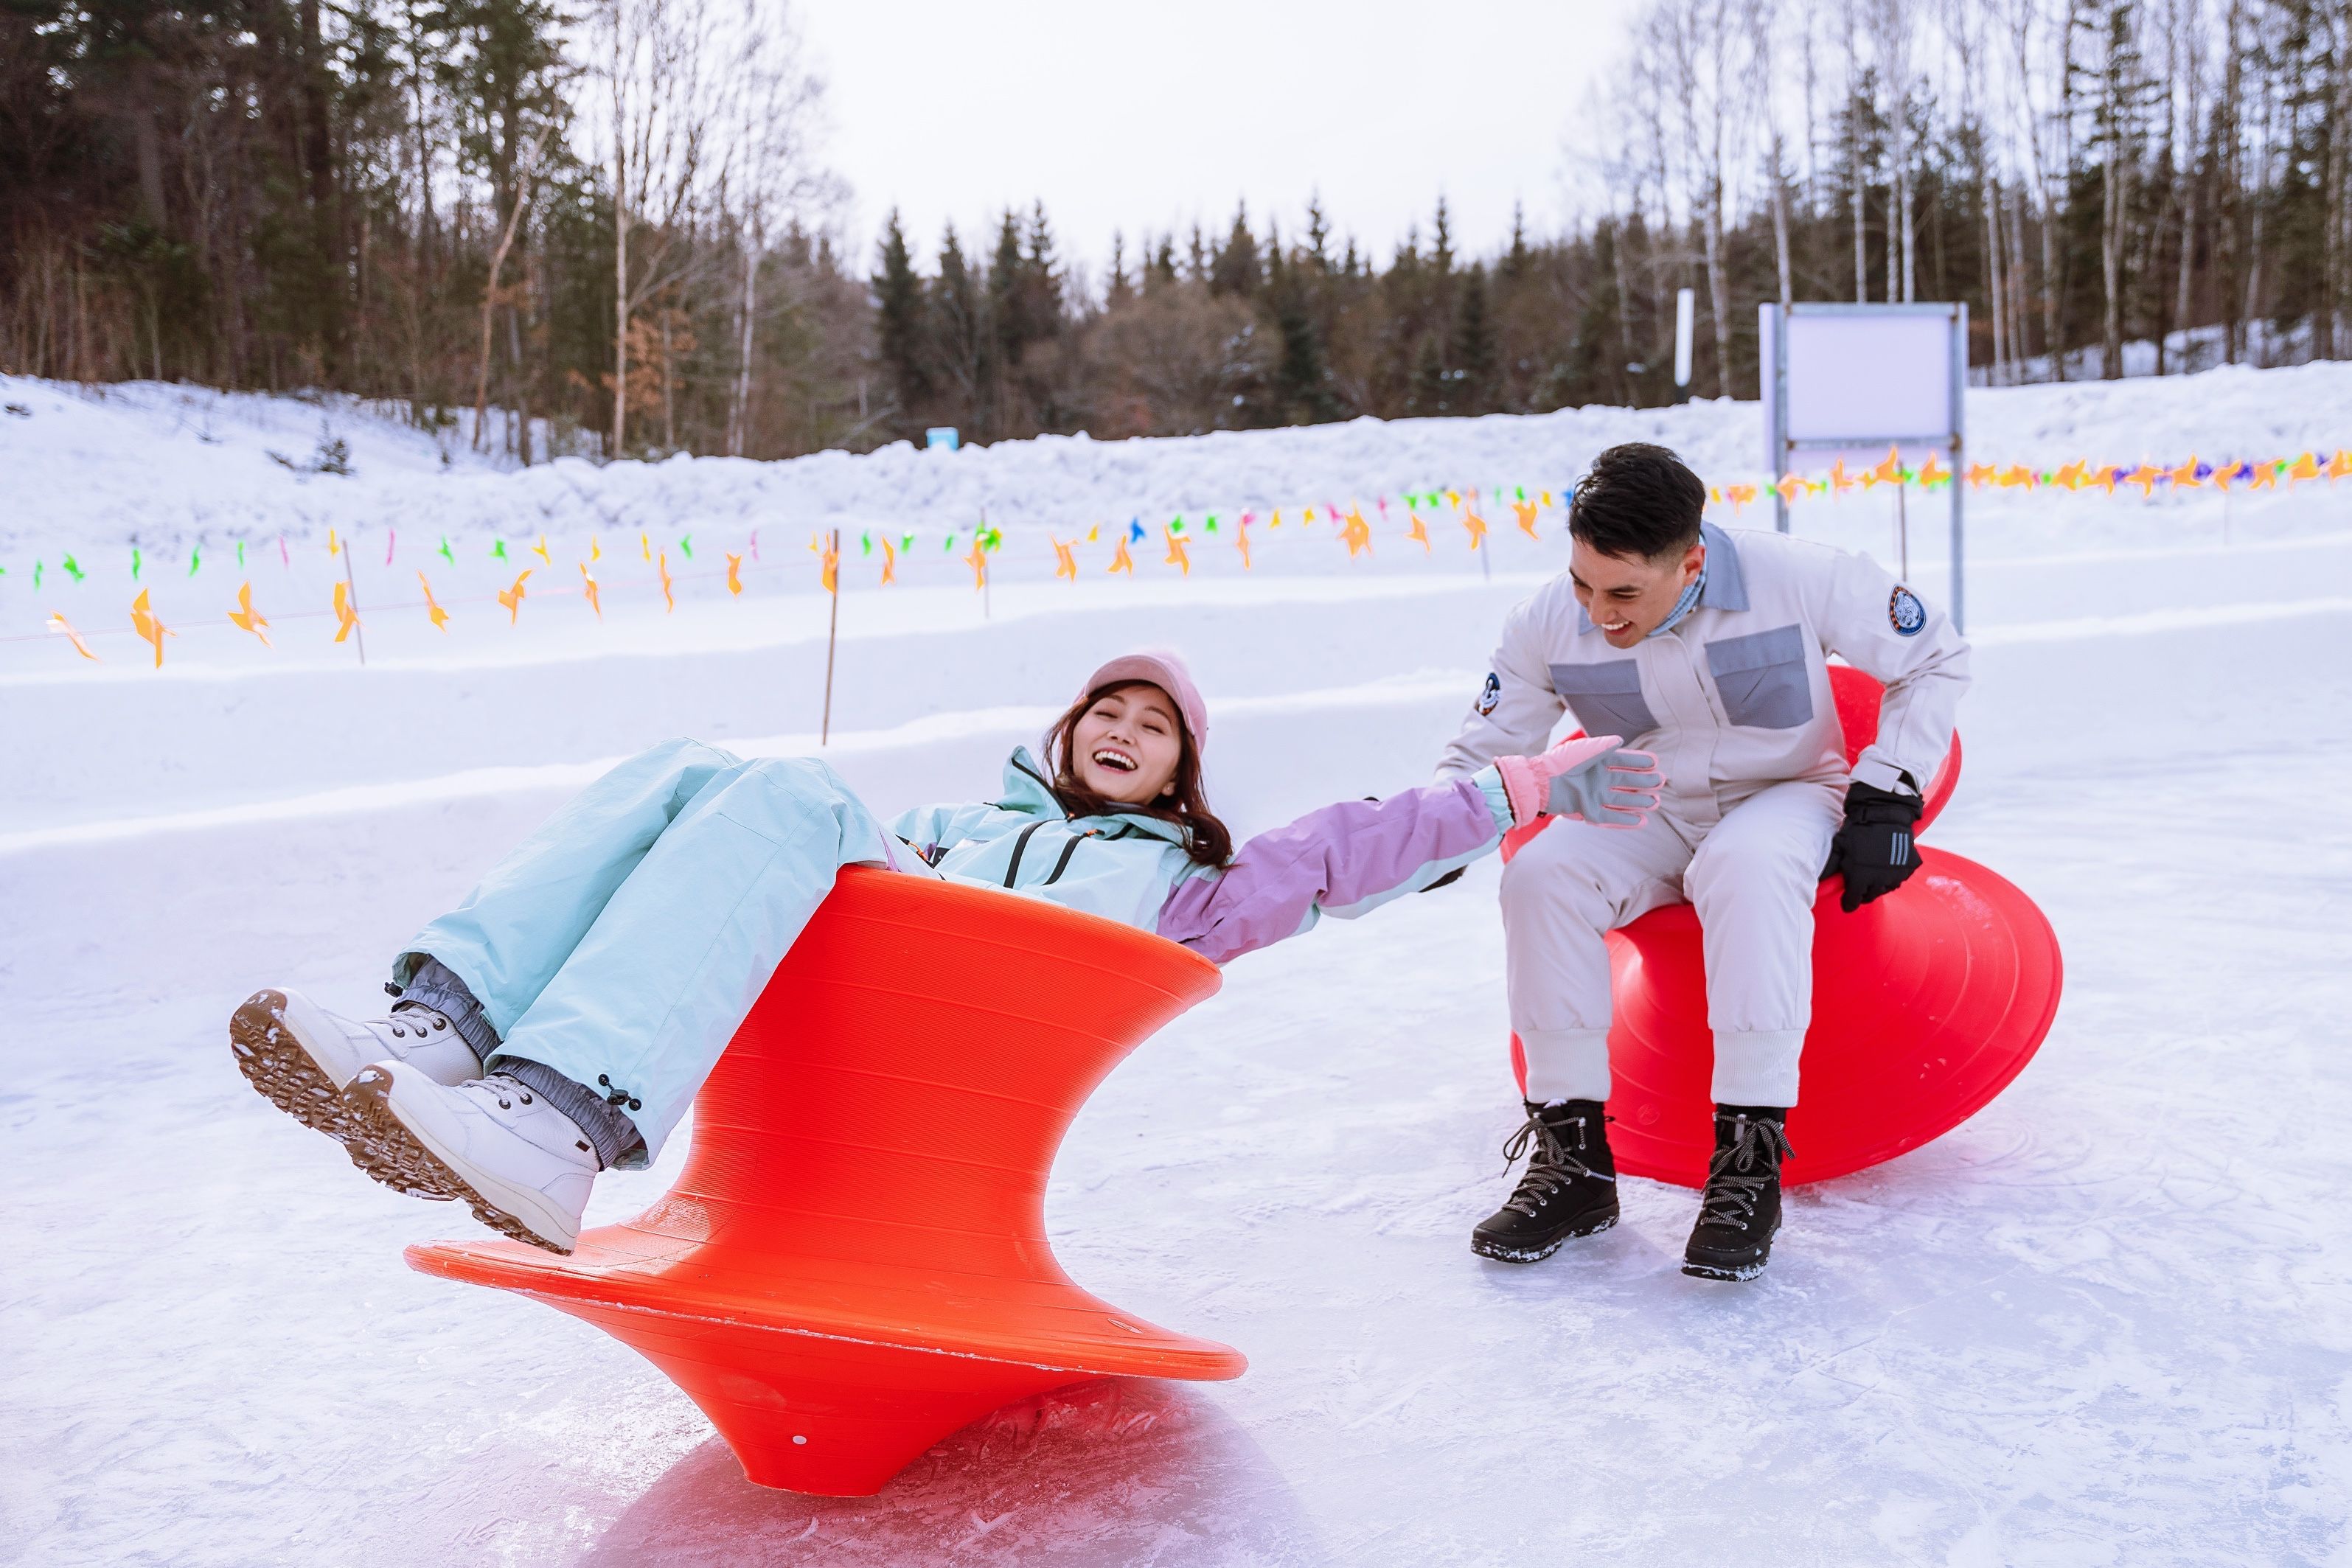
{"x":1342,"y":859}
{"x":1352,"y":856}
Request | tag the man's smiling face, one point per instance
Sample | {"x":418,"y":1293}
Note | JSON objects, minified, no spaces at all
{"x":1626,"y":596}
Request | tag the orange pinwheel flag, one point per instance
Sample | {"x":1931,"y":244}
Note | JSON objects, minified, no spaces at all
{"x":588,"y":587}
{"x":735,"y":575}
{"x":2185,"y":476}
{"x":2339,"y":465}
{"x":143,"y":621}
{"x":1121,"y":560}
{"x":1890,"y":471}
{"x":829,"y":572}
{"x":58,"y":623}
{"x":432,"y":606}
{"x":512,"y":597}
{"x":1476,"y":525}
{"x":890,"y":563}
{"x":1241,"y":541}
{"x":2304,"y":467}
{"x":347,"y":615}
{"x":246,"y":617}
{"x":1526,"y":513}
{"x":669,"y":598}
{"x":1178,"y":555}
{"x":1418,"y":531}
{"x":1065,"y":563}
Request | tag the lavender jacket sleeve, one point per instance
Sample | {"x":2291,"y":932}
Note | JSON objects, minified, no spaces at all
{"x":1343,"y":859}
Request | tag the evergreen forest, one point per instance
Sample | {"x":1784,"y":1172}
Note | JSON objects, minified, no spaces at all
{"x":612,"y":222}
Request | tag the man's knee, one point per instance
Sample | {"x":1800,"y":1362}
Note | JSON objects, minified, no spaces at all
{"x":1536,"y":887}
{"x":1783,"y":869}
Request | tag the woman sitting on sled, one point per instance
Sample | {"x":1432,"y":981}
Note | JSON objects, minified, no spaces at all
{"x":561,"y":1019}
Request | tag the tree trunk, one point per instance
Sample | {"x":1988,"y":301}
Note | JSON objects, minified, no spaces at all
{"x":741,"y":414}
{"x":489,"y":308}
{"x":1995,"y":285}
{"x":1853,"y":162}
{"x":620,"y":242}
{"x":2111,"y":262}
{"x":1718,"y":291}
{"x":1781,"y":225}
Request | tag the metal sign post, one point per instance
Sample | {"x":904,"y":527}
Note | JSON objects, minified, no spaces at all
{"x":1865,"y":378}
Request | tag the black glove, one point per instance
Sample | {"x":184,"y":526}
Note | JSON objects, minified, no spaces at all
{"x":1874,"y":849}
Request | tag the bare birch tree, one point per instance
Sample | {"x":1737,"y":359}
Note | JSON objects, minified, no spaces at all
{"x":667,"y":91}
{"x":776,"y":176}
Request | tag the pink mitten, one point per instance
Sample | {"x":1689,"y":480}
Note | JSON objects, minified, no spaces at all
{"x":1590,"y":780}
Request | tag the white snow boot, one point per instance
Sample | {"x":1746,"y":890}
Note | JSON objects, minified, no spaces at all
{"x":301,"y":1057}
{"x":523,"y":1166}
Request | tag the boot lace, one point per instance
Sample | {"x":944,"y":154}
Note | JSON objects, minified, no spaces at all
{"x":1737,"y":1176}
{"x":1549,"y":1168}
{"x":415,"y":1016}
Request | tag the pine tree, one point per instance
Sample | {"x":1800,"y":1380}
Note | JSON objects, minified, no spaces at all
{"x":1318,"y":235}
{"x":1515,"y":260}
{"x":1428,"y":395}
{"x":1235,"y":267}
{"x":1473,"y":349}
{"x":898,"y":326}
{"x":1116,"y":291}
{"x":959,"y":339}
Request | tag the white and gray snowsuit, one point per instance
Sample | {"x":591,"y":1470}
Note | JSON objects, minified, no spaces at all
{"x":1735,"y":700}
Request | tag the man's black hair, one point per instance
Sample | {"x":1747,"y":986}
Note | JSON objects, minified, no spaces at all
{"x":1638,"y":501}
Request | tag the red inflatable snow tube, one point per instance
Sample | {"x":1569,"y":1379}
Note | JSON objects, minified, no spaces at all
{"x":1925,"y":1004}
{"x":853,"y":1263}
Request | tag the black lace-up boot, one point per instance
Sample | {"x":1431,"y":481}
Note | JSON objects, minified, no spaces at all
{"x":1740,"y":1210}
{"x":1570,"y":1187}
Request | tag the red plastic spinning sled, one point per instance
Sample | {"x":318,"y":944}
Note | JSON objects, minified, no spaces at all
{"x":853,"y":1263}
{"x":1925,"y":1004}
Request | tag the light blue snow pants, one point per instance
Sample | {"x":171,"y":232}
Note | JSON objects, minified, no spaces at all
{"x":623,"y":942}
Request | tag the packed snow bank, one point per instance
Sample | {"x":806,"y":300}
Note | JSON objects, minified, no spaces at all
{"x":115,"y":497}
{"x":138,"y":466}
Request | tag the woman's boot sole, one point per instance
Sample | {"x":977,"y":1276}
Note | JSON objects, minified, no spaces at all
{"x":282,"y":1072}
{"x":385,"y":1148}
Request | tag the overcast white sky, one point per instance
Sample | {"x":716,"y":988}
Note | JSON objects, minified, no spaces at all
{"x":1134,"y":116}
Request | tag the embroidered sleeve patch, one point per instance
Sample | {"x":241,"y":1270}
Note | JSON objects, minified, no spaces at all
{"x":1491,"y":694}
{"x":1907,"y":612}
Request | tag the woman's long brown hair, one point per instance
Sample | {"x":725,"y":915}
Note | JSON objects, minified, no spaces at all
{"x":1206,"y":840}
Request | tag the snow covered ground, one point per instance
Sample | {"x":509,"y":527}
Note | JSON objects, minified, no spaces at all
{"x":2102,"y":1322}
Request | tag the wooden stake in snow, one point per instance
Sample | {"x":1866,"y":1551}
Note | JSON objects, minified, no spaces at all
{"x":359,"y":633}
{"x":832,"y":632}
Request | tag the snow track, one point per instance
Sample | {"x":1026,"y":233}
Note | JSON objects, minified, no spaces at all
{"x":2100,"y":1322}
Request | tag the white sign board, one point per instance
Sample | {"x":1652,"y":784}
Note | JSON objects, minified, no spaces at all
{"x":1850,"y":381}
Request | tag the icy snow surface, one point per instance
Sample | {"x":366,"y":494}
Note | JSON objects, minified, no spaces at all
{"x":2105,"y":1321}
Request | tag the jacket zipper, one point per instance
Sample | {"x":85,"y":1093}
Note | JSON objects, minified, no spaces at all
{"x":1067,"y":850}
{"x":1020,"y":847}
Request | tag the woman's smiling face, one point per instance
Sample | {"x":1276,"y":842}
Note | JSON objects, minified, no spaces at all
{"x":1125,"y":745}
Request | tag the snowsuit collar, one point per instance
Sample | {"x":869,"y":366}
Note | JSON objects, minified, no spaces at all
{"x":1027,"y":792}
{"x":1722,"y":584}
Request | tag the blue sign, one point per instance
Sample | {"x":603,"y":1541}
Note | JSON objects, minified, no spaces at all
{"x":942,"y":437}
